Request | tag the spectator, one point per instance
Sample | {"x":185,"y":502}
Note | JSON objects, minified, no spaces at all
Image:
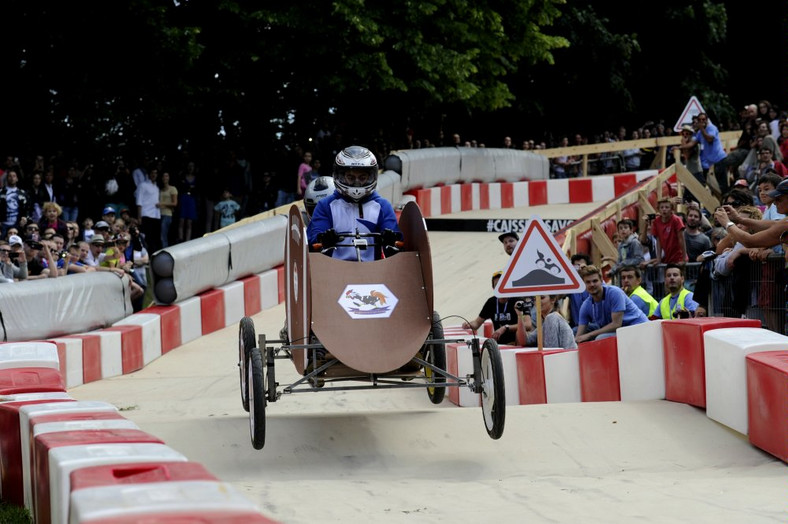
{"x":690,"y":156}
{"x":75,"y":263}
{"x":87,"y":229}
{"x":51,"y":219}
{"x":13,"y":264}
{"x":712,"y":153}
{"x":304,"y":168}
{"x":678,"y":303}
{"x":667,"y":229}
{"x":35,"y":253}
{"x":103,"y":230}
{"x":14,"y":203}
{"x":108,"y":215}
{"x":96,"y":252}
{"x":556,"y":332}
{"x":502,"y":313}
{"x":782,"y":141}
{"x":68,"y":191}
{"x":168,"y":201}
{"x":605,"y":310}
{"x":32,"y":231}
{"x":188,"y":192}
{"x":631,"y":280}
{"x":632,"y":156}
{"x":227,"y":209}
{"x":579,"y":261}
{"x":509,"y":241}
{"x":148,"y":212}
{"x":630,"y":250}
{"x":38,"y":196}
{"x":695,"y":240}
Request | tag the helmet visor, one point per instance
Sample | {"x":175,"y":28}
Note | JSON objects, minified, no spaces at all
{"x":355,"y":177}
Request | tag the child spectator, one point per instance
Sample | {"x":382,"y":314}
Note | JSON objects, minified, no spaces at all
{"x":227,"y":209}
{"x":630,"y":250}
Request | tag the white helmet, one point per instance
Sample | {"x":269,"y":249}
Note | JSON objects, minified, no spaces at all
{"x":317,"y":190}
{"x":350,"y":166}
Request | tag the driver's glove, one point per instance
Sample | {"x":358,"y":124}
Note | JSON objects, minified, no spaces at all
{"x":388,"y":237}
{"x":329,"y":239}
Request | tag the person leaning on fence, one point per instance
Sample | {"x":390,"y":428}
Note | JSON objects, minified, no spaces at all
{"x":678,"y":303}
{"x":631,"y":279}
{"x":605,"y":310}
{"x":579,"y":261}
{"x":630,"y":250}
{"x":502,"y":312}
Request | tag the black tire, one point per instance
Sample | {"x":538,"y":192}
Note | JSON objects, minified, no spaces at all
{"x":435,"y":354}
{"x":257,"y":400}
{"x":245,"y":344}
{"x":493,"y":393}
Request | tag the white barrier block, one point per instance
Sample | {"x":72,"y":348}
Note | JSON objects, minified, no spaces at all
{"x":269,"y":289}
{"x":562,"y":377}
{"x":29,"y":355}
{"x":726,"y":370}
{"x":647,"y":173}
{"x":64,"y":460}
{"x":73,"y":372}
{"x":510,"y":379}
{"x":191,"y":319}
{"x":151,"y":334}
{"x":494,"y":193}
{"x":435,"y":201}
{"x":476,"y":198}
{"x":30,"y":412}
{"x":465,"y":367}
{"x":641,"y":361}
{"x":157,"y":500}
{"x":558,"y":191}
{"x":603,"y":189}
{"x":111,"y":353}
{"x":234,"y":309}
{"x":520,"y":196}
{"x":83,"y":425}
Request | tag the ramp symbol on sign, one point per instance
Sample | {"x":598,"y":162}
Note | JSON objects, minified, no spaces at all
{"x":538,"y":266}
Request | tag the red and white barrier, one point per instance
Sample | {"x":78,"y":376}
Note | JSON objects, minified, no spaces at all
{"x":51,"y":489}
{"x":12,"y":473}
{"x":726,"y":371}
{"x":685,"y":370}
{"x":180,"y":501}
{"x":548,"y":376}
{"x":150,"y":325}
{"x":455,"y":198}
{"x":29,"y":367}
{"x":598,"y":363}
{"x":767,"y":402}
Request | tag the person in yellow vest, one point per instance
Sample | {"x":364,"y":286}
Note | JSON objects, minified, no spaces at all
{"x":679,"y":302}
{"x":631,"y":278}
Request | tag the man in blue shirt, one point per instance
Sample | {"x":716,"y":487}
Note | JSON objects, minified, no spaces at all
{"x":711,"y":151}
{"x":607,"y":306}
{"x":579,"y":260}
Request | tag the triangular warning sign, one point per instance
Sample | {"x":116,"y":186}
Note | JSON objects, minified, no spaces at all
{"x":538,"y":266}
{"x":693,"y":109}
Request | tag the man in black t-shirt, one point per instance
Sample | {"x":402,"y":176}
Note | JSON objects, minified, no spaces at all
{"x":502,"y":313}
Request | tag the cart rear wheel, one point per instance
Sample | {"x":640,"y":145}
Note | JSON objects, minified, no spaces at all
{"x":245,"y":344}
{"x":435,"y":354}
{"x":493,"y":395}
{"x":256,"y":398}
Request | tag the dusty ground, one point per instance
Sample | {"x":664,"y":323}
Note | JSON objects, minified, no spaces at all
{"x":386,"y":456}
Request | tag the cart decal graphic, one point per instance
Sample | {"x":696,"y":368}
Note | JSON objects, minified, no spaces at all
{"x":368,"y":301}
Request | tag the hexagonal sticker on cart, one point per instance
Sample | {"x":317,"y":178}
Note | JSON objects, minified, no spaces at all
{"x":368,"y":301}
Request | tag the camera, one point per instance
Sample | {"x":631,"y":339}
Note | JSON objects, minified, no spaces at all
{"x":64,"y":254}
{"x":13,"y":255}
{"x":524,"y":305}
{"x":35,"y":244}
{"x":708,"y":255}
{"x":652,"y":216}
{"x":683,"y":313}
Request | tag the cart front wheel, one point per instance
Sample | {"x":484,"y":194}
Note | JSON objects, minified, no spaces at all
{"x":257,"y":400}
{"x":435,"y":354}
{"x":493,"y":395}
{"x":245,"y":344}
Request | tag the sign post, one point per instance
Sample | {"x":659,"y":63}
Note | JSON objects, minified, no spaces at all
{"x":693,"y":108}
{"x":538,"y":266}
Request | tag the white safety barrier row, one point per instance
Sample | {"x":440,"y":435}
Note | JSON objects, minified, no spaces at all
{"x":732,"y":368}
{"x":82,"y":462}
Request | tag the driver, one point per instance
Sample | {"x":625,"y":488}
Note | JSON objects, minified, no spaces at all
{"x":317,"y":190}
{"x":355,"y":205}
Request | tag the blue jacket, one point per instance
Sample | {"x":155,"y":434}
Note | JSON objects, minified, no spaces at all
{"x":371,"y":214}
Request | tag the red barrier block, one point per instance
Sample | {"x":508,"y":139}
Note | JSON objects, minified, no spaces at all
{"x":452,"y":367}
{"x":466,"y":197}
{"x":445,"y":196}
{"x":11,"y":476}
{"x":212,"y":310}
{"x":91,"y":357}
{"x":623,"y":183}
{"x":507,"y":195}
{"x":252,"y":302}
{"x":280,"y":279}
{"x":685,"y":364}
{"x":130,"y":346}
{"x":530,"y":376}
{"x":537,"y":193}
{"x":580,"y":190}
{"x":767,"y":402}
{"x":484,"y":196}
{"x":113,"y":474}
{"x":170,"y":319}
{"x":44,"y":443}
{"x":599,"y":380}
{"x":16,"y":381}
